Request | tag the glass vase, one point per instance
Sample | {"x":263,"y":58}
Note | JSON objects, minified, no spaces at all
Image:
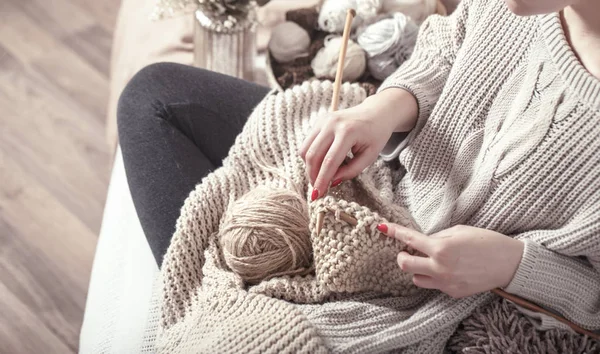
{"x":226,"y":43}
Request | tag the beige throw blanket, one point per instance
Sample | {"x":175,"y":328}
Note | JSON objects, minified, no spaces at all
{"x":356,"y":301}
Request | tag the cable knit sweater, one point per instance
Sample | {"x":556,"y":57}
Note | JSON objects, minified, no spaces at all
{"x":506,"y":139}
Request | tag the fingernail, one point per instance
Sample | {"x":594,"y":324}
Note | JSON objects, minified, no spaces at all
{"x":382,"y":228}
{"x":336,"y":183}
{"x":315,"y":195}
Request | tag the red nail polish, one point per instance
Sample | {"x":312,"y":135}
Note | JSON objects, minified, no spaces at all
{"x":337,"y":182}
{"x":382,"y":228}
{"x":315,"y":194}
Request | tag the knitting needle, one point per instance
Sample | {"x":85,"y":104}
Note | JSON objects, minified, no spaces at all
{"x":342,"y":58}
{"x":335,"y":101}
{"x":533,"y":307}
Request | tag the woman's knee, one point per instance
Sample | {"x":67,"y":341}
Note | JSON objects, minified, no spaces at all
{"x":147,"y":95}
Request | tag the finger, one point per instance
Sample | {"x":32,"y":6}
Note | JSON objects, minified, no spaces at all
{"x":356,"y":165}
{"x":410,"y":237}
{"x":424,"y":281}
{"x":415,"y":264}
{"x":308,"y":141}
{"x":316,"y":153}
{"x":331,"y":162}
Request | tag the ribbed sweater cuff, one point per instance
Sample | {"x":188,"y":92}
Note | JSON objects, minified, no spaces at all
{"x":558,"y":283}
{"x":522,"y":278}
{"x":423,"y":78}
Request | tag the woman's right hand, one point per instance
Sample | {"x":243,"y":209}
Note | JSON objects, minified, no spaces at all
{"x":363,"y":129}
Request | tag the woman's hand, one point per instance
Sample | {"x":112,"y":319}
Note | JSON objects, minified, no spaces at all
{"x":363,"y":129}
{"x":461,"y":261}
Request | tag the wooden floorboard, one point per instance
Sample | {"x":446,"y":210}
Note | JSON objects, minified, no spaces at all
{"x":54,"y":165}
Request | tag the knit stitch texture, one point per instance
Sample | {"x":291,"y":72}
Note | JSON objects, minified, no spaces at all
{"x":506,"y":139}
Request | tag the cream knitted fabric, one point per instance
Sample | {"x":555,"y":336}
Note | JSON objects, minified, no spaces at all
{"x":507,"y":139}
{"x":206,"y":305}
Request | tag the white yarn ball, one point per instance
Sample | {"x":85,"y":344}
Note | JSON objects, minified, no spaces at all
{"x":289,"y":42}
{"x":382,"y":66}
{"x":325,"y":63}
{"x":332,"y":15}
{"x":418,"y":10}
{"x":388,"y":43}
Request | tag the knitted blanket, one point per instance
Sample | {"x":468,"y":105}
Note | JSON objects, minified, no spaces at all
{"x":208,"y":308}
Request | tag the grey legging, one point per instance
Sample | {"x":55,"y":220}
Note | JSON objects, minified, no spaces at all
{"x":176,"y":124}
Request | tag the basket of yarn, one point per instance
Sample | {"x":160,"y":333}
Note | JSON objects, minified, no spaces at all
{"x":307,"y":44}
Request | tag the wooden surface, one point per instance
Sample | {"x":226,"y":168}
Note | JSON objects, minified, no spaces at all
{"x":54,"y":165}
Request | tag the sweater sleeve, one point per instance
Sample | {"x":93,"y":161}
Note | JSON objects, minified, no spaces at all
{"x":560,"y":270}
{"x":425,"y":73}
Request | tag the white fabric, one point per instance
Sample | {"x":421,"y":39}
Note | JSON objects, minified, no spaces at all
{"x":120,"y":316}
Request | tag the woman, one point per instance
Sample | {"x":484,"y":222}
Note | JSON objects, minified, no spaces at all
{"x":502,"y":111}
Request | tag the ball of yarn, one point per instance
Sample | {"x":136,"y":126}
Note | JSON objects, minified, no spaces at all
{"x":388,"y":43}
{"x":382,"y":66}
{"x":418,"y":10}
{"x":305,"y":18}
{"x":265,"y":234}
{"x":288,"y":42}
{"x":324,"y":64}
{"x":332,"y":15}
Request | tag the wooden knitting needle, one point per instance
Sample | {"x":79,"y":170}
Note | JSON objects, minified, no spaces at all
{"x":342,"y":58}
{"x":533,"y":307}
{"x":335,"y":101}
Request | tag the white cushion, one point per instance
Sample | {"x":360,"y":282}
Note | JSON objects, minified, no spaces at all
{"x":121,"y":314}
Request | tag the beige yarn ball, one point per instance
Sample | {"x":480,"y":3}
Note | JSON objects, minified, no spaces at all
{"x":289,"y":42}
{"x":265,"y":234}
{"x":324,"y":64}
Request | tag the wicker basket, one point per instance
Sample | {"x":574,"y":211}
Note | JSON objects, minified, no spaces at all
{"x":273,"y":67}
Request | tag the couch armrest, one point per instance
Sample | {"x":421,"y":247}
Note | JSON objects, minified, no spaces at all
{"x":121,"y":313}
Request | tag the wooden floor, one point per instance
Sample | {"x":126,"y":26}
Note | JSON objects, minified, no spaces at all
{"x":54,"y":165}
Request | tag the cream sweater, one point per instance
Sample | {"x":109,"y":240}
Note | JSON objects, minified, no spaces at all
{"x":506,"y":140}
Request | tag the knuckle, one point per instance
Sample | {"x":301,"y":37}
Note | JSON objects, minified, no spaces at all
{"x":405,"y":263}
{"x":335,"y":118}
{"x":440,"y":251}
{"x":401,"y":262}
{"x":328,"y":162}
{"x":348,"y":129}
{"x":409,"y":239}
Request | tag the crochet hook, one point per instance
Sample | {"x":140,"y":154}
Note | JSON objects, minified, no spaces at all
{"x":335,"y":101}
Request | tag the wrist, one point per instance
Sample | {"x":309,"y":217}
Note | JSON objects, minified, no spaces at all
{"x":395,"y":105}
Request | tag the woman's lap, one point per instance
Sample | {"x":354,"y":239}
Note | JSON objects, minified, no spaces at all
{"x":176,"y":124}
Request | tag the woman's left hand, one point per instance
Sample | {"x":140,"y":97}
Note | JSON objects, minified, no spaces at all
{"x":461,"y":261}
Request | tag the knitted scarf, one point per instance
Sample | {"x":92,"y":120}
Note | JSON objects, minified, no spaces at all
{"x":208,"y":308}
